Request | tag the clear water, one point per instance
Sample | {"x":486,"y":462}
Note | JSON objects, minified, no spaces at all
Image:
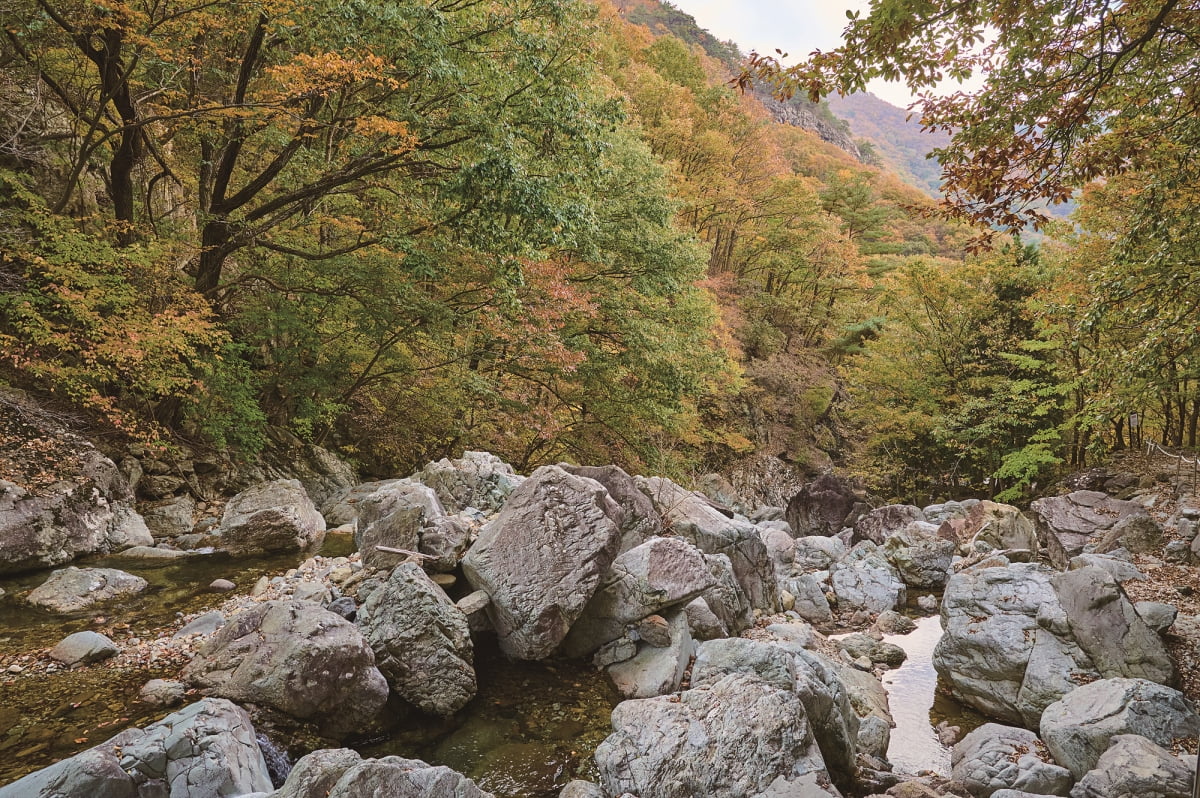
{"x":918,"y":705}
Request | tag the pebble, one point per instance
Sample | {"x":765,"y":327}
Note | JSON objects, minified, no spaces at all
{"x":221,"y":586}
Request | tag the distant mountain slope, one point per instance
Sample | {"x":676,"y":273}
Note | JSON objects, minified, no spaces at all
{"x":899,"y":141}
{"x":664,"y":17}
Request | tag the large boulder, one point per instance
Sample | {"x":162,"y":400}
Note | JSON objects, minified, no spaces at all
{"x":808,"y":597}
{"x":1108,"y":628}
{"x":1077,"y":729}
{"x":542,"y":558}
{"x":271,"y":517}
{"x":865,"y":580}
{"x":824,"y":507}
{"x":325,"y":477}
{"x":71,"y":589}
{"x":726,"y":599}
{"x":421,"y":640}
{"x":642,"y":521}
{"x":1136,"y":533}
{"x":205,"y":749}
{"x":1079,"y":516}
{"x":1001,"y":526}
{"x":1134,"y":767}
{"x":877,"y":525}
{"x":477,"y":480}
{"x":693,"y":517}
{"x":922,"y":558}
{"x":656,"y":669}
{"x":60,"y":498}
{"x":344,"y":509}
{"x":83,"y":648}
{"x":696,"y":743}
{"x":658,"y":574}
{"x":990,"y":620}
{"x":393,"y":517}
{"x":298,"y":658}
{"x":995,"y":757}
{"x":342,"y":773}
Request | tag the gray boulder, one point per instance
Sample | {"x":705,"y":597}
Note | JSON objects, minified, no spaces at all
{"x":578,"y":788}
{"x":271,"y":517}
{"x":879,"y":524}
{"x":703,"y":622}
{"x":163,"y":692}
{"x":1107,"y":627}
{"x":1077,"y":728}
{"x":865,"y":580}
{"x":1119,"y":569}
{"x":1134,"y":767}
{"x":809,"y":598}
{"x":824,"y":507}
{"x":642,"y":521}
{"x":344,"y":509}
{"x":717,"y":659}
{"x":83,"y":648}
{"x":816,"y":553}
{"x":542,"y":558}
{"x":298,"y":658}
{"x":692,"y":517}
{"x":995,"y":757}
{"x":392,"y":517}
{"x":726,"y":599}
{"x":1158,"y":616}
{"x":990,"y":620}
{"x":1001,"y":526}
{"x":1136,"y":533}
{"x":170,"y":518}
{"x":696,"y":743}
{"x":656,"y":575}
{"x":205,"y":749}
{"x":85,"y":507}
{"x":656,"y":670}
{"x":71,"y":589}
{"x":390,"y":776}
{"x":1079,"y":516}
{"x":477,"y":480}
{"x":421,"y":641}
{"x":921,"y":557}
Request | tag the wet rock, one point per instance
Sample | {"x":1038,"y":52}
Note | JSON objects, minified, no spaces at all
{"x":865,"y":580}
{"x":221,"y":586}
{"x":1134,"y":767}
{"x":919,"y":555}
{"x":581,"y":789}
{"x":656,"y":575}
{"x":163,"y":692}
{"x":543,"y":557}
{"x":1079,"y":516}
{"x":478,"y":479}
{"x":824,"y":507}
{"x":642,"y":521}
{"x":150,"y":555}
{"x":271,"y":517}
{"x":298,"y":658}
{"x":691,"y":516}
{"x":72,"y":589}
{"x":83,"y":648}
{"x":995,"y":757}
{"x":205,"y":749}
{"x":342,"y":773}
{"x":696,"y":743}
{"x":881,"y":523}
{"x":1077,"y":728}
{"x":204,"y":624}
{"x":656,"y":670}
{"x":421,"y":641}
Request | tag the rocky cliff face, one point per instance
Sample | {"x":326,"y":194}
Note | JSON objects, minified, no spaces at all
{"x":800,"y":113}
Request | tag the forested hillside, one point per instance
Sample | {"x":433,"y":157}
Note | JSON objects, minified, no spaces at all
{"x":555,"y":231}
{"x":549,"y":233}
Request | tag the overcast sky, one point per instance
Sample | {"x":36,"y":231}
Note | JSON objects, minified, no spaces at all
{"x":795,"y":26}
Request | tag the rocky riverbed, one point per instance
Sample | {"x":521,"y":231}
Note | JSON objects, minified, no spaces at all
{"x":468,"y":630}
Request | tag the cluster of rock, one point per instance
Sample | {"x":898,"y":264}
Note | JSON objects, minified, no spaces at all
{"x":654,"y":584}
